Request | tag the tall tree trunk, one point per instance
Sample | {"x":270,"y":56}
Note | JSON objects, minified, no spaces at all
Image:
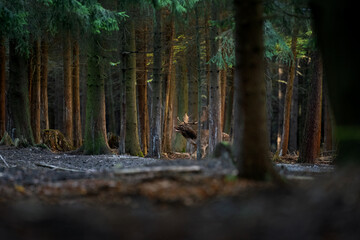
{"x":310,"y":144}
{"x":35,"y":93}
{"x":95,"y":141}
{"x":182,"y":102}
{"x":293,"y":131}
{"x":328,"y":121}
{"x":155,"y":130}
{"x":132,"y":144}
{"x":288,"y":98}
{"x":68,"y":93}
{"x":2,"y":86}
{"x":229,"y":103}
{"x":168,"y":65}
{"x":44,"y":85}
{"x":110,"y":105}
{"x":76,"y":95}
{"x":223,"y":78}
{"x":214,"y":92}
{"x":202,"y":85}
{"x":282,"y":72}
{"x":19,"y":95}
{"x":142,"y":89}
{"x":250,"y":142}
{"x":341,"y":60}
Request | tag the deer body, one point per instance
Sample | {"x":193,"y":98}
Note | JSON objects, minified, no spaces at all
{"x":186,"y":129}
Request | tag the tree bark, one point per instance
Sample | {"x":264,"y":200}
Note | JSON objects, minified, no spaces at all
{"x":288,"y":98}
{"x":142,"y":89}
{"x":68,"y":93}
{"x":19,"y":94}
{"x":155,"y":129}
{"x":310,"y":145}
{"x":182,"y":102}
{"x":2,"y":86}
{"x":214,"y":91}
{"x":223,"y":79}
{"x":202,"y":86}
{"x":95,"y":141}
{"x":293,"y":131}
{"x":44,"y":85}
{"x":35,"y":93}
{"x":132,"y":144}
{"x":282,"y":72}
{"x":168,"y":65}
{"x":76,"y":95}
{"x":250,"y":146}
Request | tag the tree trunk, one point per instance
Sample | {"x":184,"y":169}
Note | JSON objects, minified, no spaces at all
{"x":35,"y":93}
{"x":68,"y":94}
{"x":2,"y":86}
{"x":95,"y":141}
{"x":223,"y":78}
{"x":155,"y":130}
{"x":168,"y":65}
{"x":293,"y":131}
{"x":250,"y":146}
{"x":19,"y":95}
{"x":310,"y":145}
{"x":214,"y":92}
{"x":341,"y":61}
{"x":182,"y":102}
{"x":132,"y":144}
{"x":328,"y":122}
{"x":202,"y":85}
{"x":142,"y":90}
{"x":76,"y":95}
{"x":281,"y":90}
{"x":229,"y":104}
{"x":44,"y":85}
{"x":288,"y":98}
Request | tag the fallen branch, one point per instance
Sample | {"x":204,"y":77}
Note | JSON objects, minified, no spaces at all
{"x":58,"y":168}
{"x":3,"y":159}
{"x":160,"y":169}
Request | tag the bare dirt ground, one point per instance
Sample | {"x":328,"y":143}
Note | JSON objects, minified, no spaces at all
{"x":62,"y":196}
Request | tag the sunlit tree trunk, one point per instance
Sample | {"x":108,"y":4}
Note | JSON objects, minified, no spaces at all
{"x":76,"y":95}
{"x":155,"y":122}
{"x":142,"y":89}
{"x":44,"y":85}
{"x":132,"y":144}
{"x":68,"y":90}
{"x":310,"y":144}
{"x":250,"y":146}
{"x":2,"y":86}
{"x":288,"y":98}
{"x":19,"y":94}
{"x":35,"y":93}
{"x":223,"y":78}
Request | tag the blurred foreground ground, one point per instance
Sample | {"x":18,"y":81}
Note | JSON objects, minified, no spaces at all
{"x":60,"y":196}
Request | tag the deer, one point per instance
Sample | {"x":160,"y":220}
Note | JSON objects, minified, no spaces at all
{"x":188,"y":131}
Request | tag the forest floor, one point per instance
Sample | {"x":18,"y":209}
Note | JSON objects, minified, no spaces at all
{"x":45,"y":195}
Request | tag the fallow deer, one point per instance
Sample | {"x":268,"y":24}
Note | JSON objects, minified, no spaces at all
{"x":188,"y":130}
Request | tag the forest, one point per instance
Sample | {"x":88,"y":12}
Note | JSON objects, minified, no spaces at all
{"x":116,"y":116}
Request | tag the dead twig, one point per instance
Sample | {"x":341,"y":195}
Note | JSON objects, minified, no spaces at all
{"x":58,"y":168}
{"x":160,"y":169}
{"x":3,"y":159}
